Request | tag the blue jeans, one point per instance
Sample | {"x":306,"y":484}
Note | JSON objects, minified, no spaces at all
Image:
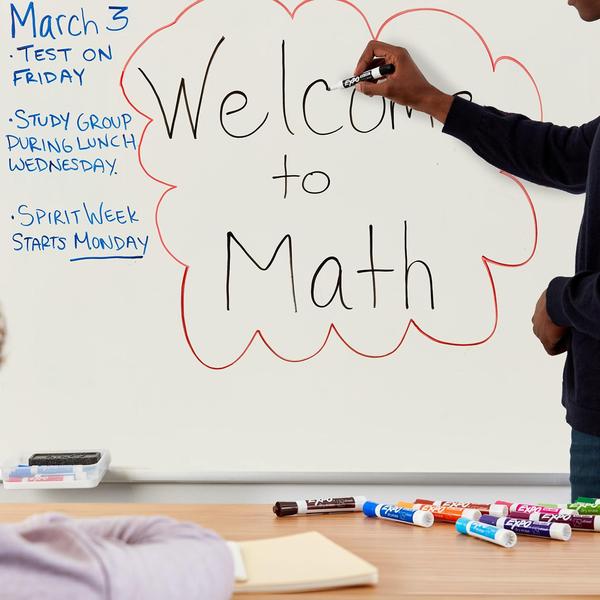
{"x":585,"y":465}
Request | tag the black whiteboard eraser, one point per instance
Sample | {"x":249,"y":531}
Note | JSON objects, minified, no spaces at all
{"x":65,"y":458}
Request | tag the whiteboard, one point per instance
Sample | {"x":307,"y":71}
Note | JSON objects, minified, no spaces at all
{"x":273,"y":277}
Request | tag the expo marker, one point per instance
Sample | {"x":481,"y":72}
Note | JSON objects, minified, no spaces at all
{"x":319,"y":506}
{"x":389,"y":512}
{"x":41,"y":479}
{"x":370,"y":75}
{"x":588,"y":509}
{"x":489,"y":533}
{"x":588,"y":500}
{"x":582,"y":508}
{"x":444,"y":514}
{"x":23,"y":471}
{"x":554,"y":531}
{"x":498,"y":510}
{"x":575,"y":521}
{"x":530,"y":508}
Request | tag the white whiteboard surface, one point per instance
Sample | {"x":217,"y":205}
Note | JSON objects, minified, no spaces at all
{"x":141,"y":355}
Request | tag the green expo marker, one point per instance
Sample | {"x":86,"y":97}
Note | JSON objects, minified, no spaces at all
{"x":588,"y":509}
{"x":588,"y":500}
{"x":582,"y":508}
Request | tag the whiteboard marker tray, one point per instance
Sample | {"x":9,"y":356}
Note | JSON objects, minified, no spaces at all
{"x":18,"y":475}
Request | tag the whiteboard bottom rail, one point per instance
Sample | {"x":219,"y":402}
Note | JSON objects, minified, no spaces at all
{"x":135,"y":475}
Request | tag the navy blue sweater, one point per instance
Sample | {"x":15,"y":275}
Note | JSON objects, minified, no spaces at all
{"x":567,"y":158}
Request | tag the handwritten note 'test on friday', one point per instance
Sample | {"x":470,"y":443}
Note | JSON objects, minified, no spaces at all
{"x":61,"y":135}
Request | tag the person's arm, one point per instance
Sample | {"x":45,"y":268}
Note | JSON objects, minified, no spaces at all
{"x":160,"y":558}
{"x":142,"y":530}
{"x":543,"y":153}
{"x":154,"y":558}
{"x":574,"y":302}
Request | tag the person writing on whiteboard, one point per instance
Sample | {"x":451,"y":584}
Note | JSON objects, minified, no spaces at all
{"x":53,"y":557}
{"x":567,"y":314}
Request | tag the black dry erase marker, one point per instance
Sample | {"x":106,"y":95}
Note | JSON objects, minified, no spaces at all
{"x":370,"y":75}
{"x":319,"y":505}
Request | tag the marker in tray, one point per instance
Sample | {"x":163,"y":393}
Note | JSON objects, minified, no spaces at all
{"x":35,"y":473}
{"x":41,"y":479}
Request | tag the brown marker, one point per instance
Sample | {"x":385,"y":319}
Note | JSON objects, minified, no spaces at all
{"x":319,"y":506}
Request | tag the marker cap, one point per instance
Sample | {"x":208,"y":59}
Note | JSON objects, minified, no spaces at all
{"x":285,"y":509}
{"x":585,"y":500}
{"x":490,"y":520}
{"x":461,"y":525}
{"x":369,"y":509}
{"x":498,"y":510}
{"x":472,"y":513}
{"x":506,"y":538}
{"x":560,"y":531}
{"x":423,"y":518}
{"x":360,"y":501}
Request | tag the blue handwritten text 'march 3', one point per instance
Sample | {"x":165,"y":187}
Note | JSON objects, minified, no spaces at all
{"x":32,"y":23}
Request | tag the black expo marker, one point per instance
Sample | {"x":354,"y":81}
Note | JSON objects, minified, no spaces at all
{"x":370,"y":75}
{"x":319,"y":506}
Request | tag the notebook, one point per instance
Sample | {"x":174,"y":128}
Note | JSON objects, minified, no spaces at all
{"x":298,"y":563}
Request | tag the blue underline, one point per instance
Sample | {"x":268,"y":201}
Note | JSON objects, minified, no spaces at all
{"x":105,"y":258}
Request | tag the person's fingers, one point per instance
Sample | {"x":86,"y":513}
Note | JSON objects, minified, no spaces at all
{"x":376,"y":62}
{"x":374,"y":89}
{"x":555,"y":350}
{"x":373,"y":50}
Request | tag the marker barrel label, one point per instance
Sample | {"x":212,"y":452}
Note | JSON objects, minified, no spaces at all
{"x":446,"y":514}
{"x":482,"y":531}
{"x":525,"y":526}
{"x":582,"y":522}
{"x":489,"y":533}
{"x":326,"y":504}
{"x":351,"y":81}
{"x":531,"y":508}
{"x":588,"y":509}
{"x":497,"y":510}
{"x":396,"y":513}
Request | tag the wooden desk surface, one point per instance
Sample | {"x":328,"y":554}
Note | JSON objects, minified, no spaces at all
{"x":428,"y":563}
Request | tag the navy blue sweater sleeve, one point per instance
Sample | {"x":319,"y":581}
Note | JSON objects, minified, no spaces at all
{"x":575,"y":302}
{"x":542,"y":153}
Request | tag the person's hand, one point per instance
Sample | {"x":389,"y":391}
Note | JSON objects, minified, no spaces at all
{"x":407,"y":85}
{"x":554,"y":338}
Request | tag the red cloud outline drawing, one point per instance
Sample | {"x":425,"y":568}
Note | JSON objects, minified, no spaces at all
{"x":333,"y":330}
